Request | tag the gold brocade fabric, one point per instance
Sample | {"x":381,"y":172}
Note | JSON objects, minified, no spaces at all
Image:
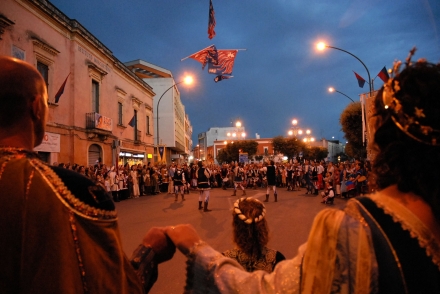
{"x":50,"y":241}
{"x":266,"y":262}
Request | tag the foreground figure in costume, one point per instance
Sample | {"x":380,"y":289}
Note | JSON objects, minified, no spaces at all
{"x":251,"y":235}
{"x":58,"y":231}
{"x":203,"y":174}
{"x":387,"y":242}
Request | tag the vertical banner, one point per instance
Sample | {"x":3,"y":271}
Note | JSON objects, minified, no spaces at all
{"x":161,"y":150}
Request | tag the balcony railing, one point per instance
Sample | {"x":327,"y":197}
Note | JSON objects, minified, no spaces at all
{"x":95,"y":120}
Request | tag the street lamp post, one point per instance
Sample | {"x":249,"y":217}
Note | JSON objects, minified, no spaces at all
{"x":237,"y":132}
{"x":295,"y":130}
{"x":187,"y":80}
{"x":331,"y":89}
{"x":321,"y":46}
{"x":308,"y":138}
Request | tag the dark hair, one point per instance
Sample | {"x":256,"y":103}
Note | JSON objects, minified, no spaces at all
{"x":400,"y":159}
{"x":250,"y":238}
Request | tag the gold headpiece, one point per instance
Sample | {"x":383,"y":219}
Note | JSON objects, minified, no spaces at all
{"x":411,"y":122}
{"x":244,"y":218}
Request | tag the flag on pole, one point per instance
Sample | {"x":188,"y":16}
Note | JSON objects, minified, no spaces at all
{"x":221,"y":78}
{"x":132,"y":122}
{"x":360,"y":80}
{"x":61,"y":90}
{"x":225,"y":64}
{"x":161,"y":150}
{"x":383,"y":75}
{"x":211,"y":22}
{"x":209,"y":54}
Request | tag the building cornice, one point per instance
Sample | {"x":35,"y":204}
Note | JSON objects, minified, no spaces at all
{"x":74,"y":27}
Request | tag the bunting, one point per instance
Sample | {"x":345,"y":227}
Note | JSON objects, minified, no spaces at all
{"x":360,"y":80}
{"x":61,"y":90}
{"x":211,"y":22}
{"x":383,"y":75}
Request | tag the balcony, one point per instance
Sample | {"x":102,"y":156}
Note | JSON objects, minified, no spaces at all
{"x":95,"y":120}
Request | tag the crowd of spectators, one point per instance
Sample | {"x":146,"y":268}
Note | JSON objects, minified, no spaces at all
{"x":346,"y":179}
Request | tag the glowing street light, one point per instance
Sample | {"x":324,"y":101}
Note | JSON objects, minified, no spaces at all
{"x":308,"y":139}
{"x":237,"y":133}
{"x":321,"y":46}
{"x":294,"y":130}
{"x":331,"y":90}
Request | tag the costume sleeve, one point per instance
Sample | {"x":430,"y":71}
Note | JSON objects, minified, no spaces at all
{"x":145,"y":266}
{"x":340,"y":256}
{"x":208,"y":271}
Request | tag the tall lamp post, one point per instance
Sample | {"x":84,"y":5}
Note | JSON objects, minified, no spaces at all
{"x":295,"y":130}
{"x":331,"y":90}
{"x":308,"y":138}
{"x":238,"y":132}
{"x":321,"y":46}
{"x":187,"y":80}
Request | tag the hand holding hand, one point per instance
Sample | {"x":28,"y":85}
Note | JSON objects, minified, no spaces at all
{"x":183,"y":236}
{"x":162,"y":246}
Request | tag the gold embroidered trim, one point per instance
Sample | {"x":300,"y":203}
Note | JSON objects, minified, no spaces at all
{"x":68,"y":198}
{"x":410,"y":223}
{"x":82,"y":270}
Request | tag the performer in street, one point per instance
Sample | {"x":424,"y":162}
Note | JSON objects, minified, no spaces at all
{"x":179,"y":182}
{"x":238,"y":178}
{"x":203,"y":175}
{"x":271,"y":181}
{"x":58,"y":231}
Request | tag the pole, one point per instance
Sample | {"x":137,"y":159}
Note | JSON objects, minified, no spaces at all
{"x":368,"y":72}
{"x":344,"y":95}
{"x":157,"y":116}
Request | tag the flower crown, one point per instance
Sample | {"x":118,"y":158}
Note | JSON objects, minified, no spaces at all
{"x":410,"y":122}
{"x":244,"y":218}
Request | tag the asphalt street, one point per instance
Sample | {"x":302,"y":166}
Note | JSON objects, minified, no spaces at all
{"x":289,"y":221}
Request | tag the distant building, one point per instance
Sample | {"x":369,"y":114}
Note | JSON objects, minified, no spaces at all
{"x":173,"y":129}
{"x":206,"y":139}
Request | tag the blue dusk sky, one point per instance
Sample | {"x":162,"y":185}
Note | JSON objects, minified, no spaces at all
{"x":281,"y":75}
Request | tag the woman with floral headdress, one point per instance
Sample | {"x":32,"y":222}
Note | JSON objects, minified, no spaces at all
{"x":251,"y":235}
{"x":386,"y":242}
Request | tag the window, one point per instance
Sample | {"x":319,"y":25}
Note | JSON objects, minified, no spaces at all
{"x":95,"y":96}
{"x":120,"y":113}
{"x":44,"y":71}
{"x":148,"y":125}
{"x":266,"y":150}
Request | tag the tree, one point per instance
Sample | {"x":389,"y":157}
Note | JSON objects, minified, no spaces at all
{"x":351,"y":122}
{"x":318,"y":153}
{"x":289,"y":147}
{"x":232,"y":150}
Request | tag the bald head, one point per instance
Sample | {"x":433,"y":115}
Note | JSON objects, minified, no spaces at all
{"x":23,"y":97}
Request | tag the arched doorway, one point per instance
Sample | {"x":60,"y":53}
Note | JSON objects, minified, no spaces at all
{"x":95,"y":152}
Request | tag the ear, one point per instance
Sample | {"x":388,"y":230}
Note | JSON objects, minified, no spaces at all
{"x":37,"y":105}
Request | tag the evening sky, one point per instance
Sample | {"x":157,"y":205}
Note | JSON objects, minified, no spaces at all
{"x":281,"y":75}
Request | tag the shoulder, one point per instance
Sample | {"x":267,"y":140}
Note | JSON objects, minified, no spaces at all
{"x":84,"y":189}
